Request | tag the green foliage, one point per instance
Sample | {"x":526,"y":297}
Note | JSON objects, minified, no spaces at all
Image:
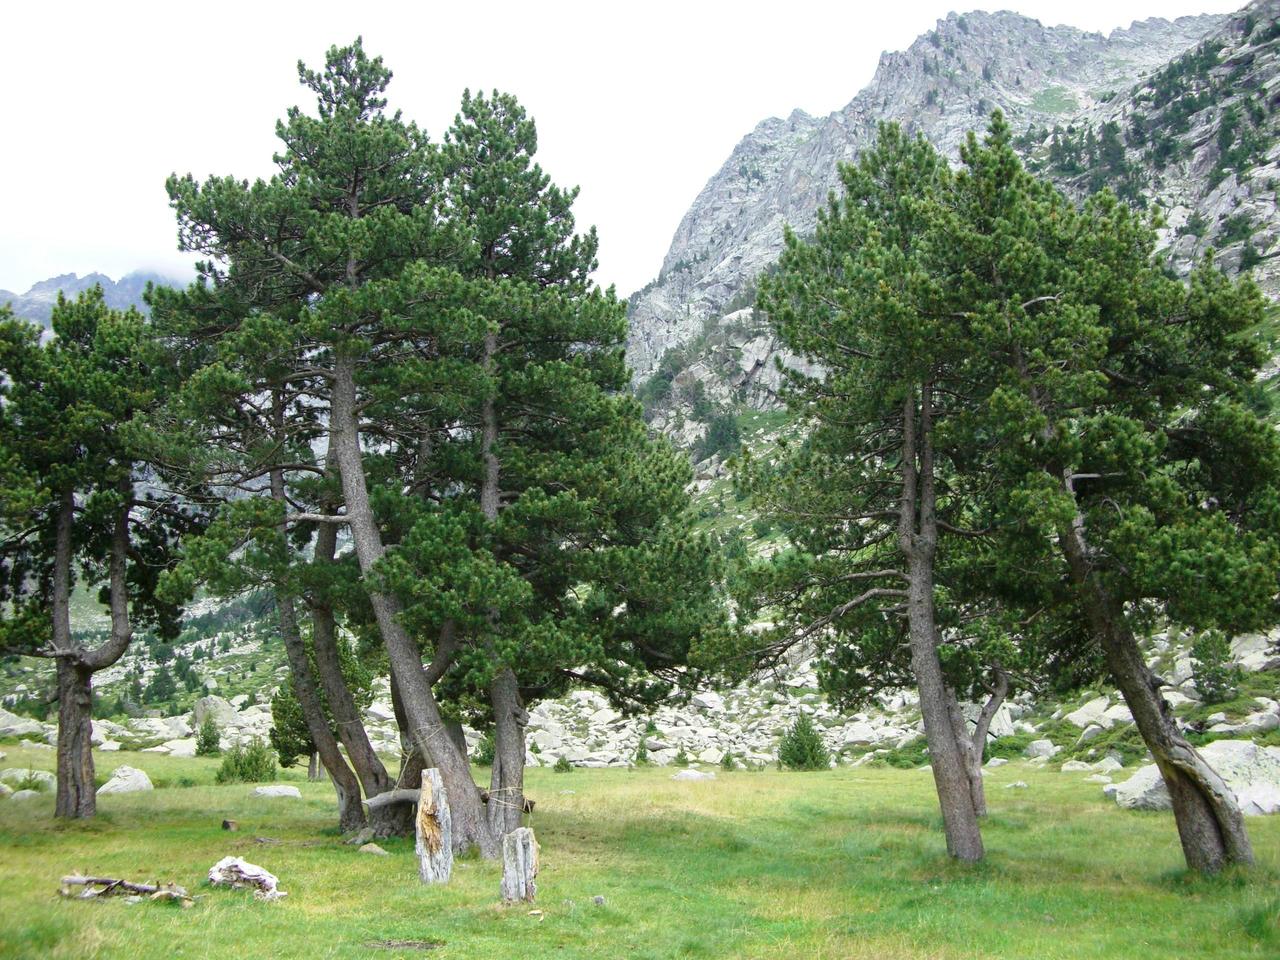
{"x":727,"y":763}
{"x":909,"y":756}
{"x":642,"y":753}
{"x":247,"y":763}
{"x":207,"y":739}
{"x":562,"y":765}
{"x":801,"y":747}
{"x":1215,"y":676}
{"x":723,"y":438}
{"x":289,"y":735}
{"x":681,"y":758}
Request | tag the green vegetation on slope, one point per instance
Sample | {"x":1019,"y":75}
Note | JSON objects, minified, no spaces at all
{"x":840,"y":864}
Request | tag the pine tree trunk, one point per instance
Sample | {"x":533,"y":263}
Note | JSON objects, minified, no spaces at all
{"x":506,"y":787}
{"x":1210,"y":824}
{"x":313,"y":767}
{"x":351,"y":816}
{"x":971,"y":755}
{"x":76,"y":795}
{"x":387,"y":821}
{"x":426,"y":727}
{"x":918,"y":539}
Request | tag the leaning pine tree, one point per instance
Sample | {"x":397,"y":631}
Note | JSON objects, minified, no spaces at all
{"x":1121,"y":440}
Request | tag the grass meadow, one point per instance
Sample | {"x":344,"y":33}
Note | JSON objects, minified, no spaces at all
{"x":844,"y":864}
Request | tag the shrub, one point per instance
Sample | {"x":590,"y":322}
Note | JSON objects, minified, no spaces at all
{"x":207,"y":739}
{"x":484,"y":751}
{"x":726,"y":762}
{"x":682,"y":758}
{"x":254,"y":763}
{"x":1214,"y":675}
{"x":563,"y":765}
{"x":801,"y":747}
{"x":642,"y":754}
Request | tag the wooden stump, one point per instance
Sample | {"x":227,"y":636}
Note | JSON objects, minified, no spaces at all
{"x":434,"y":830}
{"x":519,"y":865}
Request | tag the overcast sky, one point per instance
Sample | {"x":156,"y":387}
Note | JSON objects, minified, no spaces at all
{"x":638,"y":104}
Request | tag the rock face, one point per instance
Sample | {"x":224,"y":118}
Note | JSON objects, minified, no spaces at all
{"x":1253,"y":772}
{"x":126,"y":780}
{"x":37,"y":303}
{"x":945,"y":84}
{"x":221,"y":711}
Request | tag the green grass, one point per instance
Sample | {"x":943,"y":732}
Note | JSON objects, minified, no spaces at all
{"x":839,"y":864}
{"x":1055,"y":100}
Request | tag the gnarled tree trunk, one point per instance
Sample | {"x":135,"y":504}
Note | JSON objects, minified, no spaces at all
{"x":76,"y":792}
{"x":506,"y":785}
{"x":426,"y":727}
{"x":1210,"y":824}
{"x":971,"y":755}
{"x":369,"y":769}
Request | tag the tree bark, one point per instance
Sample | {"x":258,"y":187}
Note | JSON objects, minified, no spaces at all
{"x":76,"y":795}
{"x":506,"y":784}
{"x":970,"y":755}
{"x":918,"y":540}
{"x":434,"y":844}
{"x":373,"y":776}
{"x":350,"y":811}
{"x":313,"y":767}
{"x":351,"y":815}
{"x":519,"y":866}
{"x":1210,"y":825}
{"x":426,"y":727}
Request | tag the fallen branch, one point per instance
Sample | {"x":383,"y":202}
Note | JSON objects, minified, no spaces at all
{"x":113,"y":885}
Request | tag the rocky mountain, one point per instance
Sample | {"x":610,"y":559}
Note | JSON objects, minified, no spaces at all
{"x":37,"y":303}
{"x":1180,"y":115}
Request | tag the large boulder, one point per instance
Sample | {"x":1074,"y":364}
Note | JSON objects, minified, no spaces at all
{"x":222,"y":712}
{"x":12,"y":725}
{"x":1091,"y":713}
{"x":276,"y":790}
{"x":1041,"y":748}
{"x":185,"y":747}
{"x":126,"y":780}
{"x":1251,"y":771}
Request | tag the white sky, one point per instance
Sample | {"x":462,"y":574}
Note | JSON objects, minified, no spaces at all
{"x":638,"y":104}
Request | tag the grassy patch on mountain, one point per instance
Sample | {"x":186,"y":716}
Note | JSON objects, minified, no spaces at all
{"x":835,"y":864}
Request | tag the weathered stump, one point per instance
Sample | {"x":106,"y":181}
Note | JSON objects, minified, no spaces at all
{"x":434,"y":830}
{"x":519,"y":865}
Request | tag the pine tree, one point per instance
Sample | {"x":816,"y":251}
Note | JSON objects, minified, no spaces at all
{"x":74,"y":455}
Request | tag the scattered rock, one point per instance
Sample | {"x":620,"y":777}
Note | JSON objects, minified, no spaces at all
{"x":5,"y":791}
{"x":109,"y":746}
{"x":222,"y":712}
{"x":694,"y":775}
{"x":276,"y":790}
{"x":374,"y":849}
{"x":1016,"y":785}
{"x":361,"y":837}
{"x":25,"y":795}
{"x":997,"y":762}
{"x":598,"y":900}
{"x":1090,"y":714}
{"x":181,"y":748}
{"x":126,"y":780}
{"x":1251,"y":771}
{"x":1041,"y":749}
{"x":1075,"y":766}
{"x":12,"y":725}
